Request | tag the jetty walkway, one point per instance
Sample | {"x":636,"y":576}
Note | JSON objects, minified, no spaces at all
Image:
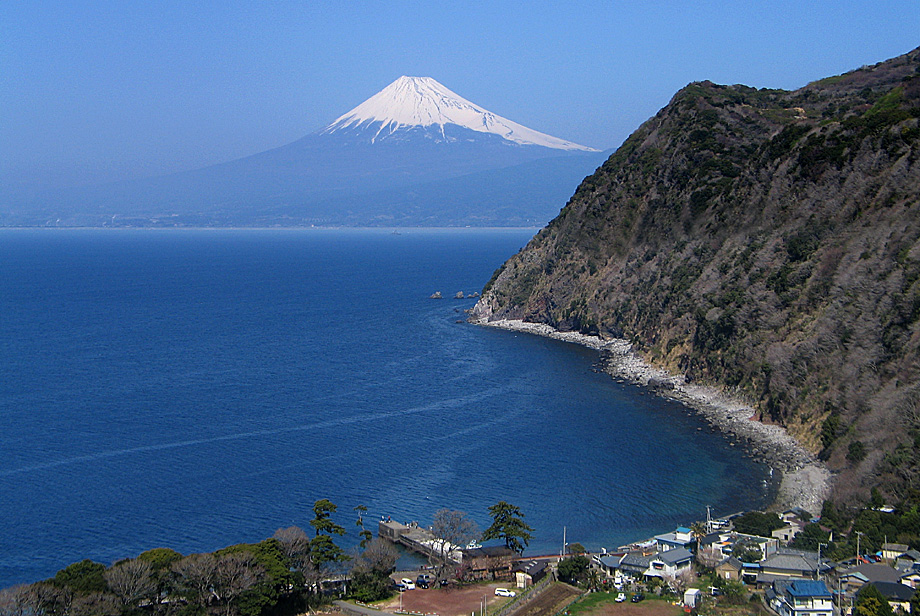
{"x":419,"y":540}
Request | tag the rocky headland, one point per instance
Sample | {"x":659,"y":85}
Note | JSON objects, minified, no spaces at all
{"x":764,"y":243}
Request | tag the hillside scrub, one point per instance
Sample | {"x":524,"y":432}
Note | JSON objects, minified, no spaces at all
{"x":766,"y":242}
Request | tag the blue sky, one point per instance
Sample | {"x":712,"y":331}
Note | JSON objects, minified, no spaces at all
{"x":95,"y":91}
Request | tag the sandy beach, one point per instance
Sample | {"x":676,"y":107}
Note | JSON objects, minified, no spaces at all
{"x":805,"y":480}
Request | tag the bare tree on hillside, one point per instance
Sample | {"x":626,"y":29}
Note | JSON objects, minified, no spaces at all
{"x":709,"y":557}
{"x":131,"y":580}
{"x":51,"y":599}
{"x":379,"y":555}
{"x":18,"y":601}
{"x":95,"y":604}
{"x":196,"y":575}
{"x":234,"y":574}
{"x":452,"y":530}
{"x":295,"y":545}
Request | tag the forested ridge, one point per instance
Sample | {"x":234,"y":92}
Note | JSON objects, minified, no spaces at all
{"x":765,"y":242}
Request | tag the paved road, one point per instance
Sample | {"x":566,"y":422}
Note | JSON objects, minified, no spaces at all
{"x":357,"y":610}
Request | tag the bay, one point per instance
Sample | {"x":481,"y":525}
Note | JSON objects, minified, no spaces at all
{"x":198,"y":388}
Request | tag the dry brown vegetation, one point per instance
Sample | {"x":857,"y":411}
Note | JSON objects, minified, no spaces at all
{"x":775,"y":253}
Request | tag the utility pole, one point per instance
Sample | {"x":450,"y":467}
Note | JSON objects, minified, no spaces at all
{"x":858,"y":537}
{"x":819,"y":558}
{"x":564,"y":544}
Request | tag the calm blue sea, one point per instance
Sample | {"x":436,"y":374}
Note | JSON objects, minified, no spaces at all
{"x":195,"y":388}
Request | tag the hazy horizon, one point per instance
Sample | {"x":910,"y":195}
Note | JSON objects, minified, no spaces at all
{"x":100,"y":92}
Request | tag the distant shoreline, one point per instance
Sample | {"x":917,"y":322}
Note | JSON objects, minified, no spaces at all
{"x":532,"y":228}
{"x":805,"y":480}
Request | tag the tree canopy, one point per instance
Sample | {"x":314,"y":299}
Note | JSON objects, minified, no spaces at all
{"x":85,"y":576}
{"x":508,"y":525}
{"x":370,"y":574}
{"x":573,"y":569}
{"x":322,"y":522}
{"x":870,"y":602}
{"x":323,"y":549}
{"x":757,"y":523}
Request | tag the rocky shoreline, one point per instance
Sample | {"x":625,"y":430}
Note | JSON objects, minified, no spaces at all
{"x":805,"y":480}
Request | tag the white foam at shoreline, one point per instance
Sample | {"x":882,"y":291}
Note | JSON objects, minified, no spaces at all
{"x":805,"y":480}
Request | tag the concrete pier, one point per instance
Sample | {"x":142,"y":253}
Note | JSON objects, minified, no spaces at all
{"x":417,"y":539}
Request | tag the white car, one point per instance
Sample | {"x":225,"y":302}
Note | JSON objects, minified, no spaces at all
{"x":504,"y":592}
{"x":621,"y":597}
{"x":408,"y":584}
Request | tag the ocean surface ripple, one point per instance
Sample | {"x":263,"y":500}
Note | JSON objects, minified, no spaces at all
{"x":198,"y":388}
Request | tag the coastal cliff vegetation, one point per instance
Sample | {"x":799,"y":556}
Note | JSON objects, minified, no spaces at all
{"x":291,"y":572}
{"x":764,"y":242}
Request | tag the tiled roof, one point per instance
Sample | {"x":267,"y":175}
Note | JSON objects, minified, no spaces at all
{"x":733,"y":562}
{"x":874,"y":572}
{"x":893,"y":591}
{"x":530,"y":567}
{"x":636,"y":560}
{"x":675,"y":556}
{"x":789,"y":562}
{"x":611,"y":561}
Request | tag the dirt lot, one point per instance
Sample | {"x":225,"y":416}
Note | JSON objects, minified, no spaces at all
{"x":449,"y":601}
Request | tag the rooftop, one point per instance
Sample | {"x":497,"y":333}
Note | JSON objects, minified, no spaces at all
{"x":808,"y":588}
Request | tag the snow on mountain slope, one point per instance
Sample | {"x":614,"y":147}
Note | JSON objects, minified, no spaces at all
{"x":411,"y":102}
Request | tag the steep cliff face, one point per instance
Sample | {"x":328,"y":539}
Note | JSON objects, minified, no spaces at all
{"x":764,"y":241}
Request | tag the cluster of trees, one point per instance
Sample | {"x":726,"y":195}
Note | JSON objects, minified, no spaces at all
{"x":285,"y":574}
{"x":840,"y":531}
{"x":281,"y":575}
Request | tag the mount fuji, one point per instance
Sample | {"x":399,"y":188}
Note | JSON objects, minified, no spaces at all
{"x":420,"y":106}
{"x":414,"y":154}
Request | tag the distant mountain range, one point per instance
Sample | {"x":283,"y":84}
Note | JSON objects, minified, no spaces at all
{"x":765,"y":241}
{"x":414,"y":154}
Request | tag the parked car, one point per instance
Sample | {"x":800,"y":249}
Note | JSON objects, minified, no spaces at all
{"x":504,"y":592}
{"x":621,"y":597}
{"x":423,"y":581}
{"x":636,"y":598}
{"x":409,"y":584}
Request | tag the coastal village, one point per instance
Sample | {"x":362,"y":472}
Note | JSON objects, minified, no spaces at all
{"x":700,"y":569}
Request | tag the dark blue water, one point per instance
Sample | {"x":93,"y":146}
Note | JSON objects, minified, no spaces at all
{"x":195,"y":389}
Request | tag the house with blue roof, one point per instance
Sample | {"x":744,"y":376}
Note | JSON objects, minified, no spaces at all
{"x":799,"y":597}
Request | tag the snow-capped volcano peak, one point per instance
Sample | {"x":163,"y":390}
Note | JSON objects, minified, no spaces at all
{"x":411,"y":102}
